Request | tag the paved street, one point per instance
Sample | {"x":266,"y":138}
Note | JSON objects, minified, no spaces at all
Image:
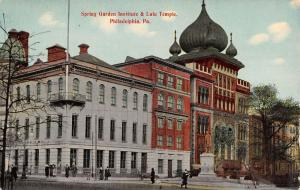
{"x":77,"y":183}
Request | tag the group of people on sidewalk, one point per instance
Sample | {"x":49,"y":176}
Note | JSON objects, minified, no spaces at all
{"x":50,"y":170}
{"x":73,"y":169}
{"x":184,"y":177}
{"x":11,"y":176}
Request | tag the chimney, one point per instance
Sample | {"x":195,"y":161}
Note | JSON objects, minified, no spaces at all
{"x":83,"y":48}
{"x":56,"y":52}
{"x":22,"y":36}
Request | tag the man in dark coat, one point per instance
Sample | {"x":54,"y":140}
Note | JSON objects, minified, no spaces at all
{"x":14,"y":172}
{"x":185,"y":176}
{"x":152,"y":175}
{"x":67,"y":170}
{"x":47,"y":170}
{"x":106,"y":173}
{"x":101,"y":173}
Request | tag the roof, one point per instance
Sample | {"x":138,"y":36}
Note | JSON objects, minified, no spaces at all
{"x":86,"y":57}
{"x":202,"y":54}
{"x":160,"y":60}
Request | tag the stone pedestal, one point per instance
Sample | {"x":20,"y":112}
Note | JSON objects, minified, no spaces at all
{"x":207,"y":164}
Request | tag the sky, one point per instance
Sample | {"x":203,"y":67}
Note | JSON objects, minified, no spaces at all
{"x":266,"y":33}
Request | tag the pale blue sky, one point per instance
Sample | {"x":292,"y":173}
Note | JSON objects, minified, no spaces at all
{"x":265,"y":32}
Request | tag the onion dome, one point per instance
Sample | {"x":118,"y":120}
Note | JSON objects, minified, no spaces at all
{"x":231,"y":50}
{"x":203,"y":33}
{"x":175,"y":48}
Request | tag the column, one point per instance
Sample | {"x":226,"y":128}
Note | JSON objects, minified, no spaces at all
{"x":138,"y":161}
{"x":128,"y":162}
{"x":105,"y":159}
{"x":79,"y":160}
{"x":117,"y":161}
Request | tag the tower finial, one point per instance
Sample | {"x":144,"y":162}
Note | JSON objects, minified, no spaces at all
{"x":230,"y":37}
{"x":175,"y":35}
{"x":203,"y":2}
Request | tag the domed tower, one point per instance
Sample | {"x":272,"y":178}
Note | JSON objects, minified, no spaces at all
{"x":203,"y":33}
{"x":231,"y":50}
{"x":175,"y":49}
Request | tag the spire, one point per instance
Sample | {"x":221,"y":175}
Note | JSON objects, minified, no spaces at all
{"x":231,"y":50}
{"x":175,"y":49}
{"x":203,"y":3}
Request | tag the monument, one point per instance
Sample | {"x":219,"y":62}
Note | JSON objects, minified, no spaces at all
{"x":207,"y":164}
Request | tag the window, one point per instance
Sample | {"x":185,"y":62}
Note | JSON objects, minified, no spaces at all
{"x":145,"y":102}
{"x":49,"y":88}
{"x":60,"y":86}
{"x":86,"y":158}
{"x":73,"y":157}
{"x":170,"y":102}
{"x":101,"y":93}
{"x":170,"y":141}
{"x":111,"y":159}
{"x":48,"y":156}
{"x":113,"y":96}
{"x":159,"y":140}
{"x":48,"y":129}
{"x":26,"y":128}
{"x":28,"y":94}
{"x":123,"y":160}
{"x":36,"y":157}
{"x":38,"y":91}
{"x":17,"y":130}
{"x":179,"y":143}
{"x":125,"y":98}
{"x":160,"y":78}
{"x":179,"y":165}
{"x":203,"y":124}
{"x":179,"y":84}
{"x":179,"y":125}
{"x":135,"y":100}
{"x":144,"y":140}
{"x":170,"y":81}
{"x":60,"y":123}
{"x":99,"y":158}
{"x":112,"y":130}
{"x":203,"y":95}
{"x":37,"y":127}
{"x":74,"y":125}
{"x":134,"y":132}
{"x":123,"y":131}
{"x":75,"y":86}
{"x":26,"y":157}
{"x":160,"y":100}
{"x":133,"y":160}
{"x":160,"y":166}
{"x":170,"y":123}
{"x":88,"y":127}
{"x":160,"y":122}
{"x":179,"y":104}
{"x":16,"y":158}
{"x":100,"y":128}
{"x":89,"y":91}
{"x":18,"y":95}
{"x":59,"y":150}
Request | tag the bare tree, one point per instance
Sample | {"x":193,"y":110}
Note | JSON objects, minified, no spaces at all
{"x":14,"y":60}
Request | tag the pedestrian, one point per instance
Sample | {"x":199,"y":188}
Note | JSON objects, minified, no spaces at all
{"x":101,"y":173}
{"x":152,"y":175}
{"x":14,"y":172}
{"x":106,"y":173}
{"x":47,"y":170}
{"x":184,"y":177}
{"x":10,"y":180}
{"x":54,"y":170}
{"x":67,"y":170}
{"x":51,"y":170}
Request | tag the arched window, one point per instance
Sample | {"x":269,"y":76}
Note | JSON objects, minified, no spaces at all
{"x":38,"y":91}
{"x":179,"y":104}
{"x":113,"y":96}
{"x":75,"y":86}
{"x":160,"y":100}
{"x":170,"y":102}
{"x":124,"y":98}
{"x":49,"y":88}
{"x":28,"y":94}
{"x":60,"y":86}
{"x":135,"y":100}
{"x":101,"y":93}
{"x":89,"y":91}
{"x":145,"y":102}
